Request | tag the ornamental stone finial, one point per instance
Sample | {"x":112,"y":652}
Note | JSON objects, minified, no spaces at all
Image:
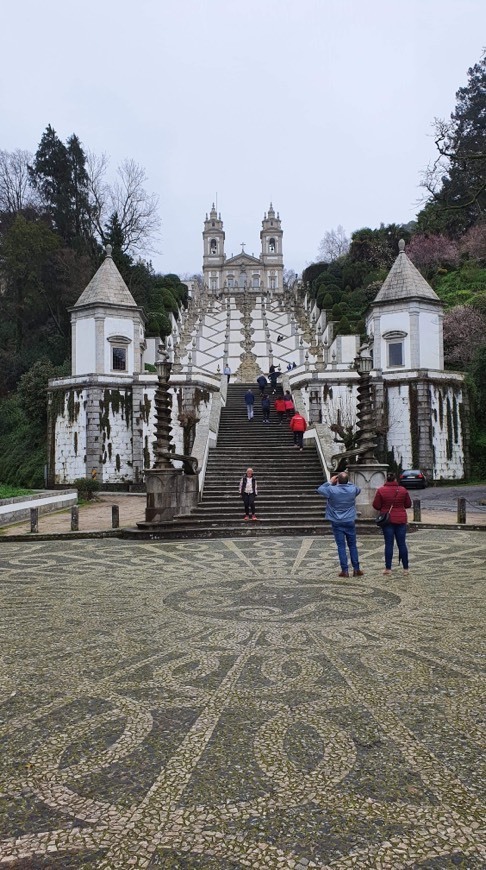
{"x":108,"y":249}
{"x":401,"y":246}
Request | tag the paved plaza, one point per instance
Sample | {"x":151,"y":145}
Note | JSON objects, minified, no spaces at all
{"x":232,"y":704}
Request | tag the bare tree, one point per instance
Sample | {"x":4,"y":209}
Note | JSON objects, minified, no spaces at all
{"x":16,"y":192}
{"x":333,"y":245}
{"x":126,"y":198}
{"x":340,"y":416}
{"x":289,"y":277}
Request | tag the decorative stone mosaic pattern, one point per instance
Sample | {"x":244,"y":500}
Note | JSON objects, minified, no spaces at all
{"x":232,"y":704}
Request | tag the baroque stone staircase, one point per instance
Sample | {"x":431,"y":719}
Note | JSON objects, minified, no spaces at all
{"x":287,"y":502}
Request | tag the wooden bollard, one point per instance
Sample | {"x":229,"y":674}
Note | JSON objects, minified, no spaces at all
{"x":75,"y":519}
{"x":461,"y":510}
{"x":417,"y":510}
{"x":34,"y":520}
{"x":115,"y":516}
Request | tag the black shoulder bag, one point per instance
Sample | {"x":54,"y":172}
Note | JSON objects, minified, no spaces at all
{"x":383,"y":519}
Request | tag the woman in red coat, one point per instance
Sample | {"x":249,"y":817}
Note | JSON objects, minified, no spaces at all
{"x":392,"y":495}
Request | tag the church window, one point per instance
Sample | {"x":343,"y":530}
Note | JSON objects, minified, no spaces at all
{"x":271,"y":246}
{"x":256,"y":280}
{"x":214,"y":283}
{"x":119,"y":359}
{"x":273,"y":283}
{"x":395,"y":353}
{"x":231,"y":281}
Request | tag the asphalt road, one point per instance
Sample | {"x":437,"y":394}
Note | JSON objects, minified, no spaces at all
{"x":445,"y":497}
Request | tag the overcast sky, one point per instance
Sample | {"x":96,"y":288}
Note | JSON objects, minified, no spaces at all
{"x":324,"y":107}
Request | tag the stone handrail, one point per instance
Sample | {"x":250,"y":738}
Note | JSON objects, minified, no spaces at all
{"x":207,"y":435}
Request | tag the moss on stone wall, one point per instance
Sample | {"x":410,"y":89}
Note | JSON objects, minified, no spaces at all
{"x":450,"y":431}
{"x":455,"y":419}
{"x":327,"y":393}
{"x":440,"y":405}
{"x":146,"y":453}
{"x":73,"y":405}
{"x":414,"y":424}
{"x":115,"y":402}
{"x":145,"y":407}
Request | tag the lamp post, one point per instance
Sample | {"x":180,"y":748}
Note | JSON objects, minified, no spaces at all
{"x":163,"y":409}
{"x":366,"y":471}
{"x":365,"y":416}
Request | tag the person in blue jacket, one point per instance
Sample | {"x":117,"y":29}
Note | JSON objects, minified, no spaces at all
{"x":249,"y":402}
{"x":341,"y":511}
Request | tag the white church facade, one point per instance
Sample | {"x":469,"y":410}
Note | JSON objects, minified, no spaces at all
{"x":102,"y":420}
{"x":222,"y":274}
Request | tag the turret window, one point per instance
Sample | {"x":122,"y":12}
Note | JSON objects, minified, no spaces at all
{"x":272,"y":246}
{"x":395,"y":353}
{"x":213,"y":246}
{"x":395,"y":347}
{"x":118,"y":348}
{"x":273,"y":282}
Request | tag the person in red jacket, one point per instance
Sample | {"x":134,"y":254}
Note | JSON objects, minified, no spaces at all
{"x":298,"y":426}
{"x":280,"y":407}
{"x":394,"y":498}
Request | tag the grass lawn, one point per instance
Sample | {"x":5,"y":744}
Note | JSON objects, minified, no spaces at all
{"x":13,"y":491}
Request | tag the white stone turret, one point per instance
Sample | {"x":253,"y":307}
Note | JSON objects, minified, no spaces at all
{"x":405,"y":320}
{"x":107,"y":326}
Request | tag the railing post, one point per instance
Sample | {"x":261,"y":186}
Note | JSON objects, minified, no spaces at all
{"x":34,"y":520}
{"x":75,"y":519}
{"x":115,"y":516}
{"x":461,"y":510}
{"x":417,"y":510}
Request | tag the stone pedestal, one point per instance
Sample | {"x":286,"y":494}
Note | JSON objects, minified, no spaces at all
{"x":368,"y":477}
{"x":169,"y":492}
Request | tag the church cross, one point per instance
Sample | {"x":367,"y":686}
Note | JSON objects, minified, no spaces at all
{"x":243,"y":247}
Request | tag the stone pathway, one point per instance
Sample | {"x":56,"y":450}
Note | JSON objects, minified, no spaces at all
{"x":223,"y":705}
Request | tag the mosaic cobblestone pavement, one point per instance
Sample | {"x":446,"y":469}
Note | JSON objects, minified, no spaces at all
{"x":230,"y":704}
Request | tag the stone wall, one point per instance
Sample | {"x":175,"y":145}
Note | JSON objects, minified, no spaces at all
{"x":107,"y":429}
{"x":67,"y":435}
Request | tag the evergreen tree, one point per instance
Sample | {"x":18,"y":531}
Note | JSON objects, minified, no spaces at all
{"x":58,"y":173}
{"x":457,"y":179}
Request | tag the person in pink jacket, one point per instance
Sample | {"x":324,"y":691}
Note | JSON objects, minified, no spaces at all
{"x":396,"y":499}
{"x":298,"y":426}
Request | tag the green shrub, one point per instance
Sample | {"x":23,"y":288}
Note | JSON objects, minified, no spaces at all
{"x":87,"y":487}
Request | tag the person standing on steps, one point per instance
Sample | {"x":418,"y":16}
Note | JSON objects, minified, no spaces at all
{"x":249,"y":402}
{"x":273,"y":376}
{"x":266,"y":409}
{"x":298,"y":426}
{"x":289,"y":403}
{"x":280,"y":408}
{"x":341,"y":511}
{"x":393,"y":498}
{"x":227,"y":372}
{"x":262,"y":383}
{"x":249,"y":492}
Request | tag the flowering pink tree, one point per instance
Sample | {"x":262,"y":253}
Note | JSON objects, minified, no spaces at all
{"x":464,"y":333}
{"x":429,"y":252}
{"x":474,"y":242}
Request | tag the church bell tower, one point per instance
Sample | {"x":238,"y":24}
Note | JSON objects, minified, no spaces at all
{"x":214,"y":256}
{"x":272,"y":257}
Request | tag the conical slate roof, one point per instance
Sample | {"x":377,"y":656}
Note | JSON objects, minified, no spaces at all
{"x":107,"y":287}
{"x":404,"y":281}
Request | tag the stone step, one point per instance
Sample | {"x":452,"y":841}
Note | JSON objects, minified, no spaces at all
{"x":241,"y":529}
